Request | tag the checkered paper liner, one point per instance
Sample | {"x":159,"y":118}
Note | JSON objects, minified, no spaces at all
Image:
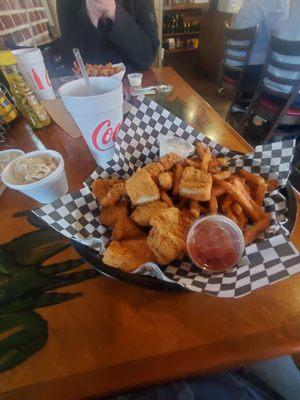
{"x":270,"y":259}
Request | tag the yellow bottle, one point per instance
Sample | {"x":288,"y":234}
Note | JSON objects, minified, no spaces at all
{"x":26,"y":101}
{"x":7,"y":111}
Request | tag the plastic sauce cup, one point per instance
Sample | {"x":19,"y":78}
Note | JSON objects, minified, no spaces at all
{"x":215,"y":243}
{"x":46,"y":190}
{"x":135,"y":79}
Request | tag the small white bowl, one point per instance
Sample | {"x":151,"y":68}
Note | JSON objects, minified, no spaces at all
{"x":5,"y":155}
{"x":46,"y":190}
{"x":135,"y":79}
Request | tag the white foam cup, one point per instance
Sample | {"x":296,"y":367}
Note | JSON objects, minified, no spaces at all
{"x":32,"y":66}
{"x":46,"y":190}
{"x":99,"y":117}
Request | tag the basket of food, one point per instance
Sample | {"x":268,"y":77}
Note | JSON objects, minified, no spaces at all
{"x":132,"y":219}
{"x":115,"y":70}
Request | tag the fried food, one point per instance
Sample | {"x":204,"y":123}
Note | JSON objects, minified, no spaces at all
{"x":109,"y":215}
{"x":192,"y":163}
{"x":165,"y":180}
{"x":242,"y":197}
{"x":154,"y":169}
{"x":272,"y":184}
{"x":125,"y":228}
{"x":114,"y":194}
{"x":252,"y":232}
{"x":167,"y":238}
{"x":213,"y":203}
{"x":101,"y":187}
{"x":195,"y":184}
{"x":200,"y":151}
{"x":97,"y":70}
{"x":223,"y":162}
{"x":260,"y":193}
{"x":128,"y":255}
{"x":177,"y":178}
{"x":222,"y":175}
{"x":141,"y":188}
{"x":166,"y":198}
{"x":142,"y":214}
{"x":169,"y":160}
{"x":257,"y":179}
{"x":206,"y":159}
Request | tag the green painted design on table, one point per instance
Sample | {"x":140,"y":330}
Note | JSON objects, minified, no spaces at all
{"x":25,"y":284}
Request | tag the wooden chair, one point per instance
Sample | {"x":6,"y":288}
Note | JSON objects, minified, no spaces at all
{"x":241,"y":40}
{"x":276,"y":110}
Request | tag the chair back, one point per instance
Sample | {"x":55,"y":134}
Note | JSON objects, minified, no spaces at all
{"x":281,"y":70}
{"x":238,"y":45}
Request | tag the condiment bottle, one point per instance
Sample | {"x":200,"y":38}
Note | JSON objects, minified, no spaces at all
{"x":7,"y":111}
{"x":25,"y":99}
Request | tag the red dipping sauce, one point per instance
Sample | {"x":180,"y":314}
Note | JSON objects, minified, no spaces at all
{"x":215,"y":243}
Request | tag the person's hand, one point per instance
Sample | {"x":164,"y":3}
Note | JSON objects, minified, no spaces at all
{"x":97,"y":9}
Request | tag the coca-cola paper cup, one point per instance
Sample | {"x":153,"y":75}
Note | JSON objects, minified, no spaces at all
{"x":32,"y":66}
{"x":98,"y":117}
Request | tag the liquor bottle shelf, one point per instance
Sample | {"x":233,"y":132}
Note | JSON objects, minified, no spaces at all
{"x":187,"y":6}
{"x":181,"y":33}
{"x":183,"y":50}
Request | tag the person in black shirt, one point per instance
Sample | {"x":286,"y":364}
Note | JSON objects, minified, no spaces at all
{"x":109,"y":31}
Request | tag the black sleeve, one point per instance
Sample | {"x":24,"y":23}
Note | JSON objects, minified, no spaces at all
{"x":67,"y":12}
{"x":136,"y":37}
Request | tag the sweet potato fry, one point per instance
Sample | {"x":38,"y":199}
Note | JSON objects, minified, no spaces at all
{"x":177,"y":177}
{"x":213,"y":164}
{"x":272,"y":184}
{"x":206,"y":160}
{"x":257,"y":179}
{"x":223,"y":162}
{"x":230,"y":214}
{"x":226,"y":203}
{"x":165,"y":197}
{"x":194,"y":205}
{"x":193,"y":163}
{"x":200,"y":151}
{"x":260,"y":192}
{"x":252,"y":232}
{"x":242,"y":220}
{"x":219,"y":191}
{"x":222,"y":175}
{"x":237,"y":209}
{"x":241,"y":196}
{"x":213,"y":204}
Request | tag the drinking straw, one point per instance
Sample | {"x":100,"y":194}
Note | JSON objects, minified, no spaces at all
{"x":83,"y":71}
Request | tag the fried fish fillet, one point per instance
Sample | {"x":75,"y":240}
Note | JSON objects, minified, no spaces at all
{"x":165,"y":180}
{"x":125,"y":229}
{"x":109,"y":215}
{"x":195,"y":184}
{"x":114,"y":194}
{"x":167,"y":238}
{"x":141,"y":189}
{"x":101,"y":187}
{"x":142,"y":214}
{"x":128,"y":255}
{"x":169,"y":160}
{"x":154,"y":169}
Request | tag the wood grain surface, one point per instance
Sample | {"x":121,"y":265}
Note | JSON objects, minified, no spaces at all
{"x":117,"y":337}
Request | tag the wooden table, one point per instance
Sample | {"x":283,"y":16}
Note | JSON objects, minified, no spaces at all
{"x":118,"y":337}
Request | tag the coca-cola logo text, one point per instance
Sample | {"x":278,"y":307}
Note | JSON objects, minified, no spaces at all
{"x":104,"y":135}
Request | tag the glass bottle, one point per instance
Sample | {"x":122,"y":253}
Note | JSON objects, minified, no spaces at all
{"x":7,"y":112}
{"x":25,"y":99}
